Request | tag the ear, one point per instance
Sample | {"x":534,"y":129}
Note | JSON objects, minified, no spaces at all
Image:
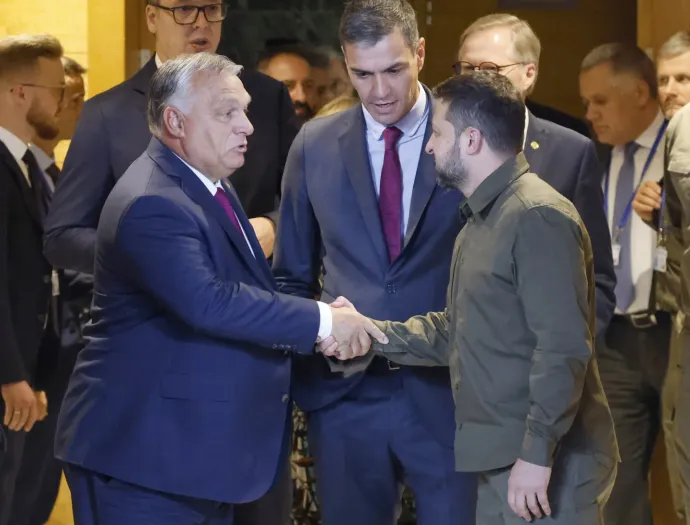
{"x":173,"y":121}
{"x":19,"y":94}
{"x":642,"y":92}
{"x":529,"y":77}
{"x":421,"y":53}
{"x":151,"y":18}
{"x":474,"y":140}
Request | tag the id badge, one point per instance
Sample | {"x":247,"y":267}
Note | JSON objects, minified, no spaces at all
{"x":616,"y":252}
{"x":55,"y":283}
{"x":660,"y":256}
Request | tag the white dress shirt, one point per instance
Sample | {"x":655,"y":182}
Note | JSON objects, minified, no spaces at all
{"x":643,"y":239}
{"x":410,"y":146}
{"x":17,"y":148}
{"x":326,"y":317}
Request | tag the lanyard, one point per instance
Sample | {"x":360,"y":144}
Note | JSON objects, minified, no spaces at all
{"x":626,"y":213}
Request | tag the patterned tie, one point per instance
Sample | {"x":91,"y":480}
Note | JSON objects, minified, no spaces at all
{"x":223,"y":200}
{"x":390,"y":194}
{"x":625,"y":288}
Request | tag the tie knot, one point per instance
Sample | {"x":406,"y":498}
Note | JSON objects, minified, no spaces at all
{"x":631,"y":148}
{"x":29,"y":157}
{"x":391,"y":135}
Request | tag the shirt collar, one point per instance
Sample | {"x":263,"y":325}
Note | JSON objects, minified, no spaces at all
{"x":210,"y":186}
{"x":43,"y":160}
{"x":13,"y":143}
{"x":646,"y":140}
{"x":409,"y":124}
{"x":524,"y":136}
{"x":495,"y":184}
{"x":158,"y":61}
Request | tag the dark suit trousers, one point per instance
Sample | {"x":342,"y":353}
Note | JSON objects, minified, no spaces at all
{"x":101,"y":500}
{"x":633,"y":363}
{"x":11,"y":452}
{"x":38,"y":481}
{"x":366,"y":446}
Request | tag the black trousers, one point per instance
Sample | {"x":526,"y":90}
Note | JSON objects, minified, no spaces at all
{"x":633,"y":363}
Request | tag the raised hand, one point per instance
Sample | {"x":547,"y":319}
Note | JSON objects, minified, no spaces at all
{"x":647,"y":200}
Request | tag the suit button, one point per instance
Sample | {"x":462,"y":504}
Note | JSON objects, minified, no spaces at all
{"x":285,"y":398}
{"x":391,"y":289}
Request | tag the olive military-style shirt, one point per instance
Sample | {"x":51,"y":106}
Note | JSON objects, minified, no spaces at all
{"x":518,"y":329}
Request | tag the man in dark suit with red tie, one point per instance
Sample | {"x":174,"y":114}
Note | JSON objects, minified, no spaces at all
{"x":188,"y":332}
{"x":32,"y":86}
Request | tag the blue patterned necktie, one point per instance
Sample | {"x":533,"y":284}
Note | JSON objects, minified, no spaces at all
{"x":625,"y":287}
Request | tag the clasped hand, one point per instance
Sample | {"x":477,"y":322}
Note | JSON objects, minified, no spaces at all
{"x":351,"y":334}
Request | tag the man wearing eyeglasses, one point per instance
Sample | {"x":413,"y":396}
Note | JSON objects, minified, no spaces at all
{"x":113,"y":132}
{"x":32,"y":87}
{"x":563,"y":158}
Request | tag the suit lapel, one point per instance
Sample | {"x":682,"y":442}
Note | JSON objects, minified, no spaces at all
{"x":20,"y":181}
{"x":141,"y":79}
{"x":535,"y":143}
{"x":355,"y":155}
{"x":424,"y":185}
{"x":196,"y":191}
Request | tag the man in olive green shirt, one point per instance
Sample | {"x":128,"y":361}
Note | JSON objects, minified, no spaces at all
{"x":518,"y":328}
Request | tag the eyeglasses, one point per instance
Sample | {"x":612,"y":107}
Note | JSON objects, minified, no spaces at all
{"x":185,"y":15}
{"x":464,"y":68}
{"x":61,"y":87}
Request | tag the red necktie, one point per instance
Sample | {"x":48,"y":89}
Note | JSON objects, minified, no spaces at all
{"x":223,"y":200}
{"x":390,"y":194}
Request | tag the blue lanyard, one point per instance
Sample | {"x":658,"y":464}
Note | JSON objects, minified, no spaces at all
{"x":628,"y":209}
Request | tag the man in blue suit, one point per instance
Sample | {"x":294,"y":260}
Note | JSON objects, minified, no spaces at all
{"x":563,"y":158}
{"x":188,"y":333}
{"x":360,"y":200}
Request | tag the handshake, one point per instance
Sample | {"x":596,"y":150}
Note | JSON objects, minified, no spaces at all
{"x":351,"y":334}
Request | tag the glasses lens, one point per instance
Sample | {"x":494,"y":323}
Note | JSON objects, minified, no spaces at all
{"x":488,"y":66}
{"x":186,"y":14}
{"x":216,"y":12}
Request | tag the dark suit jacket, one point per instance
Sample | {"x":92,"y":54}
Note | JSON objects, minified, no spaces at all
{"x":184,"y":384}
{"x":568,"y":162}
{"x":558,"y":117}
{"x":329,"y":214}
{"x":25,"y":277}
{"x":112,"y":132}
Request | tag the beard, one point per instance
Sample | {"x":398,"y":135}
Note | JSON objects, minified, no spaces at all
{"x":303,"y":112}
{"x":451,"y":171}
{"x":45,"y":125}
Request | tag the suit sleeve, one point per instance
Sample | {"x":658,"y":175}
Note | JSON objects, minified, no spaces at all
{"x":288,"y":130}
{"x":84,"y":185}
{"x":165,"y":252}
{"x":589,"y":201}
{"x":297,"y":257}
{"x":11,"y":364}
{"x":554,"y":292}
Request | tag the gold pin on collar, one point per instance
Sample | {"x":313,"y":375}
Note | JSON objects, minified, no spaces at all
{"x":534,"y":144}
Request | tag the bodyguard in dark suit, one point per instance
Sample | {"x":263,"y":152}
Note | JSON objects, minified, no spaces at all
{"x":112,"y":133}
{"x":360,"y":199}
{"x":563,"y":158}
{"x":188,"y":333}
{"x":32,"y":82}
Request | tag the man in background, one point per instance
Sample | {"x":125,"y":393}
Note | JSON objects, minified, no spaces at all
{"x":112,"y":132}
{"x":619,"y":87}
{"x":32,"y":85}
{"x":39,"y":479}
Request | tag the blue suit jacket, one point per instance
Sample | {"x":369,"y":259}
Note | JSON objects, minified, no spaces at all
{"x":183,"y":385}
{"x":329,"y":214}
{"x":569,"y":162}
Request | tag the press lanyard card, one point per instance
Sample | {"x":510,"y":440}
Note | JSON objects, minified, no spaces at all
{"x":616,"y":252}
{"x":660,"y":256}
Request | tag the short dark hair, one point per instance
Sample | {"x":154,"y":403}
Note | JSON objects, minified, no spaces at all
{"x":72,"y":67}
{"x":489,"y":102}
{"x":313,"y":56}
{"x":624,"y":58}
{"x":370,"y":21}
{"x":20,"y":53}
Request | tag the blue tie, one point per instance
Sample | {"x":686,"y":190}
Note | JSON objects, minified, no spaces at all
{"x":625,"y":288}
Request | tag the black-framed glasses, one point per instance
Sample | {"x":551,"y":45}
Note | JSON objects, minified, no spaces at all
{"x":464,"y":68}
{"x":185,"y":15}
{"x":61,"y":87}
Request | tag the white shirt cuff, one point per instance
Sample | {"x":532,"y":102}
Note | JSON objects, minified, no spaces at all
{"x":326,"y":323}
